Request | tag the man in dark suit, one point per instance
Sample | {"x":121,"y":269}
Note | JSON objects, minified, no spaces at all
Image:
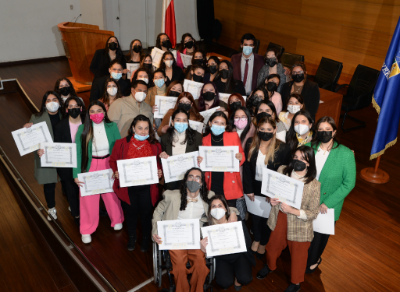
{"x":246,"y":65}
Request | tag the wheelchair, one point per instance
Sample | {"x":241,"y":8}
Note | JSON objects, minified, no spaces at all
{"x":162,"y":261}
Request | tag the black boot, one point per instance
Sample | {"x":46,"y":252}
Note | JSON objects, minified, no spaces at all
{"x":144,"y":247}
{"x":131,"y":242}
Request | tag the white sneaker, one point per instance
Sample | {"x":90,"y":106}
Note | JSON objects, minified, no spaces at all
{"x":52,"y":212}
{"x":86,"y":238}
{"x":118,"y":226}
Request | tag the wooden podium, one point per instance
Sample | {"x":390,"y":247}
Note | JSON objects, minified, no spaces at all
{"x":80,"y":42}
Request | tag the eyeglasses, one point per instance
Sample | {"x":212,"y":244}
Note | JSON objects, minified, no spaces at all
{"x":240,"y":119}
{"x":195,"y":178}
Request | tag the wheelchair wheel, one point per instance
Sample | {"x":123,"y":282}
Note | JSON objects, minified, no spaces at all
{"x":155,"y":263}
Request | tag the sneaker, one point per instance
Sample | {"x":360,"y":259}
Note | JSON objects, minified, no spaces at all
{"x":263,"y":272}
{"x":118,"y":226}
{"x":293,"y":288}
{"x":131,"y":242}
{"x":145,"y":244}
{"x":53,"y":213}
{"x":86,"y":238}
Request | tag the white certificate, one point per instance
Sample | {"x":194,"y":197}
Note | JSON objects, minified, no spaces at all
{"x":96,"y":182}
{"x":219,"y":158}
{"x":58,"y":155}
{"x":224,"y":239}
{"x":28,"y":139}
{"x":259,"y":207}
{"x":175,"y":167}
{"x":198,"y":126}
{"x":186,"y":60}
{"x":192,"y":87}
{"x":156,"y":56}
{"x":179,"y":234}
{"x":325,"y":223}
{"x":163,"y":103}
{"x":137,"y":171}
{"x":225,"y":96}
{"x":132,"y":67}
{"x":207,"y":114}
{"x":282,"y":187}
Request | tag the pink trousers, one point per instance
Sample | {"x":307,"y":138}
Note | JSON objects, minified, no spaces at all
{"x":89,"y":205}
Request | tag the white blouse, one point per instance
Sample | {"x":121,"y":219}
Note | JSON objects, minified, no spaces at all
{"x":100,"y":146}
{"x":194,"y":210}
{"x":320,"y":159}
{"x":178,"y":147}
{"x":260,"y":165}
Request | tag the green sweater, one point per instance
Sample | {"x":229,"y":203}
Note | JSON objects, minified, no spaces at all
{"x":337,"y":178}
{"x":113,"y":135}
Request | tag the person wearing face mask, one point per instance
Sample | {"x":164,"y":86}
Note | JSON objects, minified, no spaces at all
{"x":175,"y":88}
{"x":301,"y":130}
{"x":336,"y":171}
{"x":246,"y":64}
{"x":185,"y":102}
{"x":137,"y":201}
{"x":225,"y":81}
{"x":290,"y":226}
{"x":147,"y":63}
{"x":103,"y":57}
{"x":272,"y":66}
{"x":199,"y":58}
{"x":179,"y":139}
{"x":124,"y":110}
{"x":163,"y":42}
{"x":172,"y":71}
{"x":264,"y":150}
{"x":255,"y":98}
{"x":267,"y":108}
{"x":231,"y":269}
{"x":99,"y":84}
{"x":145,"y":75}
{"x":47,"y":176}
{"x":209,"y":98}
{"x":196,"y":73}
{"x":235,"y":101}
{"x":95,"y":140}
{"x":188,"y":202}
{"x":271,"y":85}
{"x":188,"y":44}
{"x":65,"y":88}
{"x":301,"y":85}
{"x":111,"y":93}
{"x":294,"y":105}
{"x":218,"y":132}
{"x":212,"y":68}
{"x":65,"y":132}
{"x":159,"y":88}
{"x":136,"y":50}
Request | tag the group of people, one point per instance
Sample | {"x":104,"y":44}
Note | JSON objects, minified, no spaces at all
{"x":273,"y":128}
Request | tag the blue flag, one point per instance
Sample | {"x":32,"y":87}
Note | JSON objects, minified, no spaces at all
{"x":386,"y":99}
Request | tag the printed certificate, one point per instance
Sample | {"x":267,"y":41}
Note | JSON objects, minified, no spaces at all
{"x":96,"y":182}
{"x":29,"y":139}
{"x":219,"y":158}
{"x":175,"y":167}
{"x":179,"y":234}
{"x":137,"y":171}
{"x":58,"y":155}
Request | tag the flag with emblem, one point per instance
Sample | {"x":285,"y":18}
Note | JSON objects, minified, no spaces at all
{"x":386,"y":99}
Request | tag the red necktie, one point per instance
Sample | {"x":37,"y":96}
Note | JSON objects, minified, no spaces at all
{"x":246,"y":71}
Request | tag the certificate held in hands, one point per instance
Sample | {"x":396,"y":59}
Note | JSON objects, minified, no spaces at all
{"x":164,"y":103}
{"x":96,"y":182}
{"x":179,"y":234}
{"x":192,"y":87}
{"x":137,"y":171}
{"x":29,"y":139}
{"x":58,"y":155}
{"x":219,"y":158}
{"x":175,"y":167}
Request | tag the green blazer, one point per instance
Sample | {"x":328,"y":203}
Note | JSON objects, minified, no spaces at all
{"x":44,"y":175}
{"x":337,"y":178}
{"x":113,"y":135}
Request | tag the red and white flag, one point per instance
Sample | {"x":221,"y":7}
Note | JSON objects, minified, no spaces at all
{"x":168,"y":23}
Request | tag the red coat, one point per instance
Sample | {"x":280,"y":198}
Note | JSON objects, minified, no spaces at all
{"x":233,"y":188}
{"x":120,"y":150}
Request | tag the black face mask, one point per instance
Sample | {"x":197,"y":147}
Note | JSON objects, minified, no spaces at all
{"x":74,"y":112}
{"x":224,"y":73}
{"x":262,"y":115}
{"x":298,"y":77}
{"x":271,"y":86}
{"x":185,"y":106}
{"x":189,"y":45}
{"x":298,"y":165}
{"x":174,"y":93}
{"x":235,"y":105}
{"x":65,"y":91}
{"x":148,"y":66}
{"x":137,"y":48}
{"x":197,"y":78}
{"x":198,"y":62}
{"x":166,"y":44}
{"x":112,"y":46}
{"x":324,"y":136}
{"x":208,"y":96}
{"x":255,"y":100}
{"x":212,"y":69}
{"x":265,"y":136}
{"x":271,"y":62}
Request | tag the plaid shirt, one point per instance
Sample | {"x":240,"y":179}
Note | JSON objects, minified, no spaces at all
{"x":298,"y":229}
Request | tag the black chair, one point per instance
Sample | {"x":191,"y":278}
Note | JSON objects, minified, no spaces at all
{"x":289,"y":59}
{"x":359,"y":93}
{"x":328,"y":73}
{"x":276,"y":46}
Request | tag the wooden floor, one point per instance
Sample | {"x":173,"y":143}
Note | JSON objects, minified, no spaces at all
{"x":364,"y":255}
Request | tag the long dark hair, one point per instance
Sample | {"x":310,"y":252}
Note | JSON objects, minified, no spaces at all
{"x":232,"y":121}
{"x":270,"y":76}
{"x":172,"y":84}
{"x":87,"y":133}
{"x":152,"y":138}
{"x":252,"y":102}
{"x":162,"y":64}
{"x":106,"y":97}
{"x":79,"y":102}
{"x":193,"y":68}
{"x":203,"y":188}
{"x":271,"y":105}
{"x":204,"y":57}
{"x":193,"y":110}
{"x":330,"y":121}
{"x":182,"y":44}
{"x":43,"y":105}
{"x":309,"y":156}
{"x":291,"y":138}
{"x":131,"y":49}
{"x":189,"y":133}
{"x":119,"y":54}
{"x":230,"y":82}
{"x":142,"y":62}
{"x":210,"y":218}
{"x":228,"y":127}
{"x":149,"y":74}
{"x":158,"y":40}
{"x":202,"y":104}
{"x":57,"y":86}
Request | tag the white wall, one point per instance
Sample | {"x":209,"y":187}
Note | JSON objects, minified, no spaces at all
{"x":92,"y":12}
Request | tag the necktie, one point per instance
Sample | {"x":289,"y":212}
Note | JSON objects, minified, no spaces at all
{"x":192,"y":200}
{"x":246,"y":71}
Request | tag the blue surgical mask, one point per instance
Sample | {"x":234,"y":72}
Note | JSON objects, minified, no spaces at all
{"x":217,"y":130}
{"x":159,"y":82}
{"x":116,"y":76}
{"x":247,"y":50}
{"x":141,"y":138}
{"x":180,"y":127}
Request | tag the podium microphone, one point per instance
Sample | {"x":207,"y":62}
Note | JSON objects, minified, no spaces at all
{"x":77,"y":18}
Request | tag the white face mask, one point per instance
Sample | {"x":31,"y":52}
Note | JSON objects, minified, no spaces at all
{"x":217,"y":213}
{"x":140,"y":96}
{"x":293,"y":108}
{"x":144,"y":79}
{"x":168,"y":63}
{"x":301,"y":129}
{"x":112,"y":91}
{"x":52,"y":106}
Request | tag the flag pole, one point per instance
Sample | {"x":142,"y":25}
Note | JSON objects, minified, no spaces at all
{"x":374,"y":174}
